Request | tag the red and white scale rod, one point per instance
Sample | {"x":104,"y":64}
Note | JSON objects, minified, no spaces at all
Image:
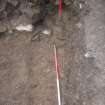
{"x":60,"y":8}
{"x":57,"y":74}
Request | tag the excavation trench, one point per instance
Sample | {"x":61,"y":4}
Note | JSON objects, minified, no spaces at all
{"x":27,"y":71}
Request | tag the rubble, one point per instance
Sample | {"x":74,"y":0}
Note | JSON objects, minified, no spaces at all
{"x":31,"y":12}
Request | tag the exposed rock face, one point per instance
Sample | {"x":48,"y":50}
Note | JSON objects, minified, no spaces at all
{"x":10,"y":8}
{"x":15,"y":12}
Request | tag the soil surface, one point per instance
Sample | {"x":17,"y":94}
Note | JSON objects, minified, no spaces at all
{"x":27,"y":71}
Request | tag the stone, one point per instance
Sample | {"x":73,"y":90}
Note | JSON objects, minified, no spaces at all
{"x":2,"y":27}
{"x":46,"y":31}
{"x":22,"y":27}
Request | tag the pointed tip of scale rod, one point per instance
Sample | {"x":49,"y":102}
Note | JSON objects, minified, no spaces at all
{"x":59,"y":17}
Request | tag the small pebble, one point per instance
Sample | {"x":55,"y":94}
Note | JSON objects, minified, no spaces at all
{"x":79,"y":25}
{"x":80,"y":6}
{"x":10,"y":31}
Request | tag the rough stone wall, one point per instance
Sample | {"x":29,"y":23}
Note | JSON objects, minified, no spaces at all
{"x":15,"y":12}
